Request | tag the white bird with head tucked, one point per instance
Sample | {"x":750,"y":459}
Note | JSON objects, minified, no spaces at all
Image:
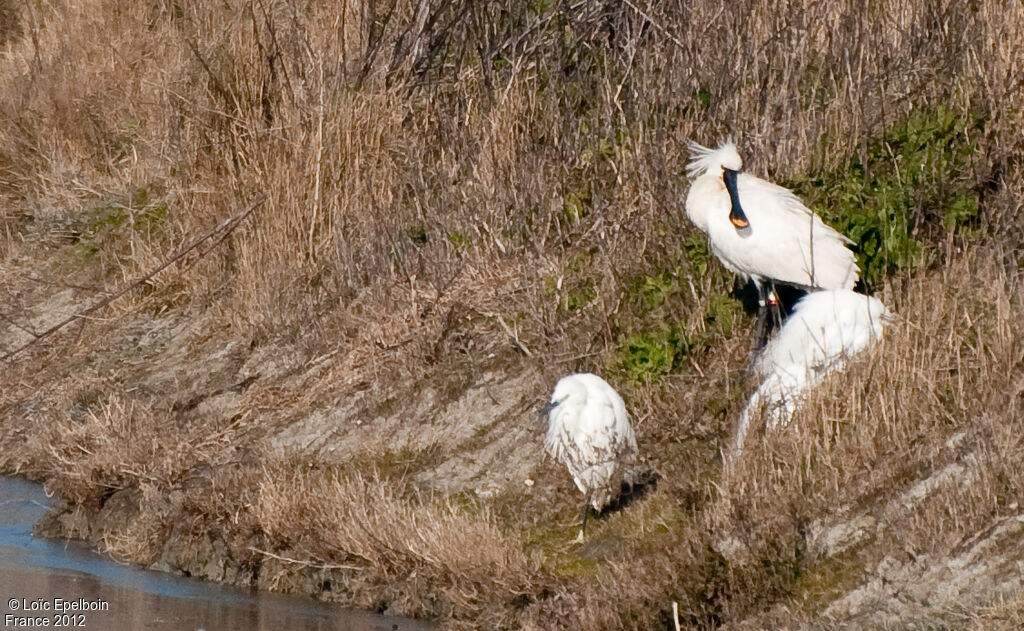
{"x":762,"y":231}
{"x":589,"y":431}
{"x":826,"y":329}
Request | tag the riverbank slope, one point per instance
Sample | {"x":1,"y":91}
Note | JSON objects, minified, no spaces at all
{"x":337,"y":396}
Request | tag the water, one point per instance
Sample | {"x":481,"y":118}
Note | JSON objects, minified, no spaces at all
{"x":42,"y":580}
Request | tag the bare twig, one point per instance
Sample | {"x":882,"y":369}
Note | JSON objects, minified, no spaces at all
{"x":27,"y":328}
{"x":225,"y":227}
{"x":319,"y":163}
{"x":318,"y":566}
{"x":655,"y":24}
{"x":513,"y":335}
{"x":218,"y":86}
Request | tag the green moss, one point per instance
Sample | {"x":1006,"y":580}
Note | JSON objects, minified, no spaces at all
{"x":703,"y":96}
{"x":653,"y":291}
{"x":108,"y":216}
{"x":574,"y":205}
{"x":417,"y":234}
{"x":139,"y":210}
{"x":140,"y":207}
{"x":139,"y":213}
{"x":130,"y":125}
{"x":576,"y":285}
{"x":914,"y":179}
{"x":550,"y":285}
{"x":499,"y":63}
{"x":397,"y":464}
{"x":818,"y":585}
{"x":85,"y":249}
{"x":720,"y":317}
{"x":601,"y":148}
{"x":649,"y":355}
{"x":663,"y":342}
{"x":581,"y":295}
{"x":560,"y":556}
{"x":631,"y":530}
{"x":459,"y":242}
{"x":698,"y":255}
{"x":466,"y":501}
{"x":647,"y":528}
{"x":540,"y":7}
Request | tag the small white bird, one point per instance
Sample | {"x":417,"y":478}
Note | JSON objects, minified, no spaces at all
{"x":762,"y":231}
{"x":589,"y":431}
{"x":824,"y":331}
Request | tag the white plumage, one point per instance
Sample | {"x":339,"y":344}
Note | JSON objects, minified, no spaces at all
{"x":589,"y":431}
{"x":824,"y":331}
{"x":763,"y":231}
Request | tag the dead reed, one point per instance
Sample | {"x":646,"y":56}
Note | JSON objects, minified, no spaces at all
{"x":458,"y":190}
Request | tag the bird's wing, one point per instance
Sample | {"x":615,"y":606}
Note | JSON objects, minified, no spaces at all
{"x":600,"y":427}
{"x":771,"y":197}
{"x":775,"y":400}
{"x":618,"y":428}
{"x":793,"y":245}
{"x":559,"y":440}
{"x":825,"y":329}
{"x":706,"y":196}
{"x":626,"y":444}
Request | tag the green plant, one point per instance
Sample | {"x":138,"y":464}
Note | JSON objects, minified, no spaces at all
{"x":650,"y":355}
{"x":580,"y":295}
{"x":655,"y":290}
{"x":660,"y":342}
{"x":913,"y":180}
{"x":459,"y":242}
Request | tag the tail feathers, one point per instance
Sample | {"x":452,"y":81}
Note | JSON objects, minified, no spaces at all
{"x":776,"y":401}
{"x":630,"y":483}
{"x":615,"y":487}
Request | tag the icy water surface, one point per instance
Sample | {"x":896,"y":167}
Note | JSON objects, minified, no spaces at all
{"x":55,"y":584}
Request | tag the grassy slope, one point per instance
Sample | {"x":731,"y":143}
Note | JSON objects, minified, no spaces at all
{"x":459,"y":196}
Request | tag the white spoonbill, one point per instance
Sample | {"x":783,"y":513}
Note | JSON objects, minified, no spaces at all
{"x":824,"y":331}
{"x":589,"y":431}
{"x":762,"y":231}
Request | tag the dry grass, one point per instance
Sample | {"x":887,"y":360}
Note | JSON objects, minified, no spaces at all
{"x":1005,"y":614}
{"x":120,"y":444}
{"x":457,"y":564}
{"x":457,"y":189}
{"x":944,"y":389}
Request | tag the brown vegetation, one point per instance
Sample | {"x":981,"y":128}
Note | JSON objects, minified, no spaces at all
{"x":462,"y":195}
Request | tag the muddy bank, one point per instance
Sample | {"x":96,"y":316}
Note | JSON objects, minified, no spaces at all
{"x":44,"y":578}
{"x":179,"y":446}
{"x":333,"y":393}
{"x":181,"y":431}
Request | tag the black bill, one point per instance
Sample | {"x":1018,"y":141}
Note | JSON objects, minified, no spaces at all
{"x":736,"y":215}
{"x":547,"y":408}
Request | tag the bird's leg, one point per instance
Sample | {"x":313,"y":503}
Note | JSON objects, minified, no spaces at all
{"x":774,"y":304}
{"x":761,"y":327}
{"x":583,"y":520}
